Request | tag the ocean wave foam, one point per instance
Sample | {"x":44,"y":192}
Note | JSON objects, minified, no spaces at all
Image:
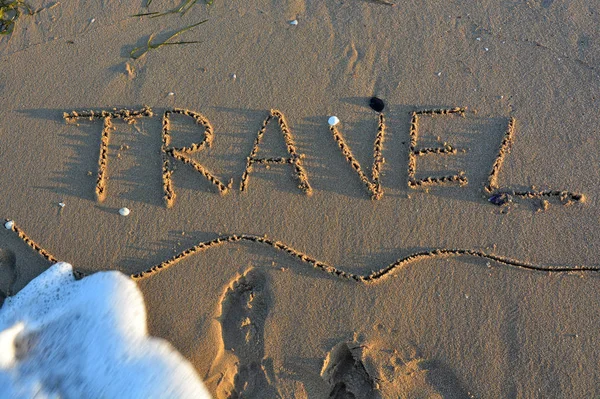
{"x":62,"y":338}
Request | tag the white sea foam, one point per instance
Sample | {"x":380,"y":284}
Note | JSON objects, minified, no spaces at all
{"x":61,"y":338}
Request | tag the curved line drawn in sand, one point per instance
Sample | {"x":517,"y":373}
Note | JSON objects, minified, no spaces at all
{"x":295,"y":159}
{"x":240,"y":363}
{"x":332,"y":270}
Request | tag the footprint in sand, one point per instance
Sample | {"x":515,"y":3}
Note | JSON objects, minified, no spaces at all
{"x":344,"y":371}
{"x":244,"y":310}
{"x":8,"y":272}
{"x":351,"y":370}
{"x":356,"y":371}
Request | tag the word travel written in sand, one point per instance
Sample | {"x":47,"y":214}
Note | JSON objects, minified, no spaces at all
{"x":495,"y":194}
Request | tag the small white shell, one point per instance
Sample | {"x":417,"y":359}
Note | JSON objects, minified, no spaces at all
{"x":171,"y":93}
{"x":61,"y":204}
{"x":294,"y":22}
{"x":9,"y":225}
{"x":333,"y":120}
{"x":124,"y":211}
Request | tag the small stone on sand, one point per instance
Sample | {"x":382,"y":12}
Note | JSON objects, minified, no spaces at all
{"x":376,"y":104}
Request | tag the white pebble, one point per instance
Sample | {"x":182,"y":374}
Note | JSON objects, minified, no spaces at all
{"x":439,"y":74}
{"x":487,"y":49}
{"x":233,"y":76}
{"x":333,"y":120}
{"x":124,"y":211}
{"x":294,"y":22}
{"x":171,"y":93}
{"x":92,"y":20}
{"x":9,"y":224}
{"x":478,"y":39}
{"x":61,"y":204}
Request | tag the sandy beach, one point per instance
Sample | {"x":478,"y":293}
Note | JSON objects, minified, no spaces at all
{"x":483,"y":285}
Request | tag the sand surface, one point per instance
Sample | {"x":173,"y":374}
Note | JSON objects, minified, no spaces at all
{"x":255,"y":321}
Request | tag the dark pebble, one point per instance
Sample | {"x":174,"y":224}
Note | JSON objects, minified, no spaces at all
{"x":500,"y":199}
{"x":377,"y":104}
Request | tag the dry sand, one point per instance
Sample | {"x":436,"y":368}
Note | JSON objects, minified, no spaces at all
{"x":253,"y":320}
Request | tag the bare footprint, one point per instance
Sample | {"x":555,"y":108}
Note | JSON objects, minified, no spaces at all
{"x":345,"y":372}
{"x":8,"y":272}
{"x":244,"y":310}
{"x":355,"y":370}
{"x":420,"y":378}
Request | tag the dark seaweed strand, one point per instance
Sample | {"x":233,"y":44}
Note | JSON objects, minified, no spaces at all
{"x":294,"y":159}
{"x":459,"y":178}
